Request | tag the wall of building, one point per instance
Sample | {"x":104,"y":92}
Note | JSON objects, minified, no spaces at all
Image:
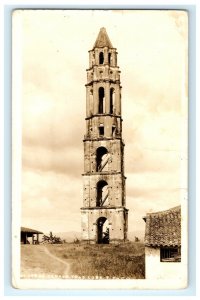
{"x":155,"y":269}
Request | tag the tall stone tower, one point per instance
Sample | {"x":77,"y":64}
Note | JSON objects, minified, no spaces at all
{"x":104,"y":216}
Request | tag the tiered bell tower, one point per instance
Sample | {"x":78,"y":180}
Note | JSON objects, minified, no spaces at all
{"x":104,"y":215}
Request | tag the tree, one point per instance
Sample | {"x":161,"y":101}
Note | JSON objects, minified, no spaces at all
{"x":51,"y":239}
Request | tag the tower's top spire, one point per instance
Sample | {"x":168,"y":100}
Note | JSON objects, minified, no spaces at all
{"x":103,"y":39}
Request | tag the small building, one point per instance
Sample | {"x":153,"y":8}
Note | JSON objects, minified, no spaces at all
{"x":29,"y":236}
{"x":163,"y":244}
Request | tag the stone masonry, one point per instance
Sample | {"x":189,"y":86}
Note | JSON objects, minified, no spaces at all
{"x":104,"y":215}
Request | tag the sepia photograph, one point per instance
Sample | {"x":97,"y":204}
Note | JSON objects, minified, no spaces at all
{"x":100,"y":149}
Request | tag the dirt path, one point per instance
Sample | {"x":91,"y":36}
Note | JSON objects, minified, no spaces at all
{"x":67,"y":269}
{"x":39,"y":262}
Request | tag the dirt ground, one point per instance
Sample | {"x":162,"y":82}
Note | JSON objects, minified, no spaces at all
{"x":37,"y":260}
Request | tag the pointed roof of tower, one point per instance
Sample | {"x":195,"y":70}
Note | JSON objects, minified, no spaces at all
{"x":103,"y":40}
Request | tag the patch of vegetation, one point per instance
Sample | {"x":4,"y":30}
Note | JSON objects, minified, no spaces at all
{"x":51,"y":239}
{"x":105,"y":260}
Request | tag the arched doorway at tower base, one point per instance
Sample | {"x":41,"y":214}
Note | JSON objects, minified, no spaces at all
{"x":102,"y":231}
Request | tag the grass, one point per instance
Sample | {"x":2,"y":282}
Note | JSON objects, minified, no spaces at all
{"x":104,"y":261}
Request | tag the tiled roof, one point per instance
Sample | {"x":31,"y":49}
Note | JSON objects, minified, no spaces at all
{"x":103,"y":40}
{"x":29,"y":230}
{"x":163,"y":228}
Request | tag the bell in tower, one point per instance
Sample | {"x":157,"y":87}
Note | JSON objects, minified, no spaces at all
{"x":104,"y":216}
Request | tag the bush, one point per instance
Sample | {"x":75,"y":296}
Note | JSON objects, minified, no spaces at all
{"x":51,"y":239}
{"x":76,"y":241}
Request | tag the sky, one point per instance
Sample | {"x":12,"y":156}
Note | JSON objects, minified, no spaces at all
{"x":152,"y":56}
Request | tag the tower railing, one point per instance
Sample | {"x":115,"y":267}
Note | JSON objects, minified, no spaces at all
{"x":103,"y":200}
{"x":103,"y":164}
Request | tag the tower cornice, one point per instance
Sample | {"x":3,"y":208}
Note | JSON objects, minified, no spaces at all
{"x":105,"y":208}
{"x":103,"y":80}
{"x":111,"y":48}
{"x":101,"y":66}
{"x":103,"y":174}
{"x":103,"y":139}
{"x":104,"y":115}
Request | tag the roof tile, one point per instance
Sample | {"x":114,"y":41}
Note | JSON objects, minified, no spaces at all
{"x":163,"y":228}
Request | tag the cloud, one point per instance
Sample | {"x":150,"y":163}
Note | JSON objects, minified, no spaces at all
{"x":67,"y":160}
{"x":153,"y":64}
{"x":153,"y":143}
{"x":143,"y":160}
{"x":49,"y":200}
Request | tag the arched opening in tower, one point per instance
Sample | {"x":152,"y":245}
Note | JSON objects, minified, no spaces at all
{"x":102,"y":193}
{"x":102,"y":157}
{"x":101,"y":101}
{"x":101,"y":58}
{"x":91,"y":100}
{"x":112,"y":100}
{"x":102,"y":231}
{"x":109,"y":58}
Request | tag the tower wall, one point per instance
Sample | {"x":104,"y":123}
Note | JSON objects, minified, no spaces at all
{"x":115,"y":186}
{"x":117,"y":219}
{"x":115,"y":150}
